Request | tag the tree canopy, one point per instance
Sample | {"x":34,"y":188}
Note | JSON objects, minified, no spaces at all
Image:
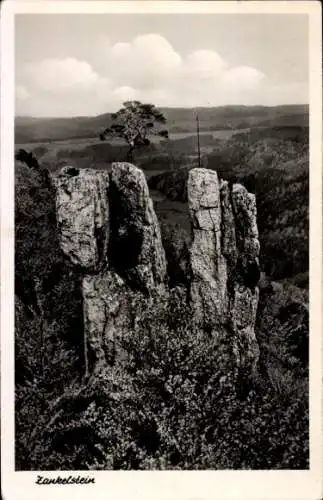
{"x":134,"y":123}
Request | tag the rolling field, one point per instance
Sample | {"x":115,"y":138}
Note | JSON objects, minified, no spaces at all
{"x":179,"y":120}
{"x":79,"y":143}
{"x":93,"y":153}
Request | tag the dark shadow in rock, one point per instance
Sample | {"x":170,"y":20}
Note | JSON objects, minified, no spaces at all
{"x":126,"y":237}
{"x":176,"y":242}
{"x":100,"y":236}
{"x":72,"y":171}
{"x":251,"y":274}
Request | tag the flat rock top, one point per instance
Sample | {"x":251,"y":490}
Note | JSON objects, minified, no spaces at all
{"x":203,"y":189}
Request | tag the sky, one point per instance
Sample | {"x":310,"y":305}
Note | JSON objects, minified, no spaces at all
{"x":87,"y":64}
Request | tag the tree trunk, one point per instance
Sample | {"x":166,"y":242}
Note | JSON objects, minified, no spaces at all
{"x":130,"y":156}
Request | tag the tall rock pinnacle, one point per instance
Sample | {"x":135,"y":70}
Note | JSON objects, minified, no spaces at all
{"x":109,"y":230}
{"x":224,"y":261}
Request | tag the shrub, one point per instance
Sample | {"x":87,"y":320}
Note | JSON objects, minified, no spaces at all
{"x":172,"y":405}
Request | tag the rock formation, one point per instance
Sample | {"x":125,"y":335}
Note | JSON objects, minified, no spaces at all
{"x":109,"y":231}
{"x":209,"y":294}
{"x":136,"y":248}
{"x":105,"y":309}
{"x":83,"y":216}
{"x":224,"y":261}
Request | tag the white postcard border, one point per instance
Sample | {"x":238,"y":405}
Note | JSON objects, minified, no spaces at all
{"x":166,"y":485}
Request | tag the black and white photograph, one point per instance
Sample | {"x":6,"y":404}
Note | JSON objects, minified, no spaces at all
{"x":161,"y":241}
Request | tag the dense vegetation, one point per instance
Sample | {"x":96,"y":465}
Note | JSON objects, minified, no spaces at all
{"x":171,"y":406}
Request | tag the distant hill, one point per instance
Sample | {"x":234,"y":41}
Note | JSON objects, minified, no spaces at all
{"x":30,"y":129}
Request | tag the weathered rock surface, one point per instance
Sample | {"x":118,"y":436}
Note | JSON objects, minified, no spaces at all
{"x":106,"y":316}
{"x":228,"y":228}
{"x":209,"y":295}
{"x":245,"y":212}
{"x":224,"y":260}
{"x":83,"y":216}
{"x":136,"y":249}
{"x":109,"y":230}
{"x":243,"y":317}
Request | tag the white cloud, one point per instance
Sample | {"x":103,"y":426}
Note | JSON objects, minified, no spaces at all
{"x":147,"y":62}
{"x":61,"y":75}
{"x":203,"y":65}
{"x":62,"y":87}
{"x":148,"y":69}
{"x":125,"y":93}
{"x":242,"y":77}
{"x":151,"y":69}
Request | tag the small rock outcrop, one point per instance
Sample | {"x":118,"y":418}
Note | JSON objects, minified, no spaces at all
{"x":109,"y":231}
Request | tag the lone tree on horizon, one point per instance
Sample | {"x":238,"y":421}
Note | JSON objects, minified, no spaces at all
{"x":134,"y":122}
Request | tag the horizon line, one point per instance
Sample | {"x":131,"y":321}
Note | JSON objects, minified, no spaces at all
{"x":166,"y":107}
